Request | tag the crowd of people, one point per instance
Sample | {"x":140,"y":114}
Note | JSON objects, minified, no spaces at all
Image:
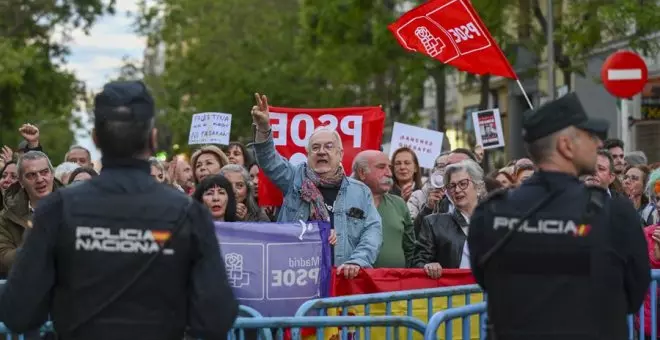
{"x":384,"y":212}
{"x":389,"y":212}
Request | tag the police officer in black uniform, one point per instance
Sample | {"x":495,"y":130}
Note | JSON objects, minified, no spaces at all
{"x":121,"y":256}
{"x":559,"y":260}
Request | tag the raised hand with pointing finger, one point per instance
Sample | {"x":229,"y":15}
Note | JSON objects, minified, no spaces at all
{"x":260,"y":114}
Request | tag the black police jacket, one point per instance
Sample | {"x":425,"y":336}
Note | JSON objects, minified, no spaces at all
{"x":564,"y":274}
{"x":90,"y":241}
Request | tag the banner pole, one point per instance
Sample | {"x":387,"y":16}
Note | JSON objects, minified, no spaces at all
{"x":529,"y":102}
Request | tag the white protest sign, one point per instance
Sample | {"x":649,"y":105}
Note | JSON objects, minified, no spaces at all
{"x":427,"y":144}
{"x":488,"y":128}
{"x":210,"y":128}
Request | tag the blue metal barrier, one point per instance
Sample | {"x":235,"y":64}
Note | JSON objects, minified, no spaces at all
{"x":464,"y":312}
{"x":653,"y":289}
{"x":322,"y":322}
{"x":635,"y":331}
{"x":365,"y":300}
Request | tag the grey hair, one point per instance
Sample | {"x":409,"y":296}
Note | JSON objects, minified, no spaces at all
{"x":473,"y":170}
{"x":325,"y":129}
{"x":78,"y":147}
{"x":359,"y":163}
{"x":636,"y":158}
{"x":250,"y":201}
{"x":65,"y":169}
{"x":31,"y":156}
{"x":157,"y":163}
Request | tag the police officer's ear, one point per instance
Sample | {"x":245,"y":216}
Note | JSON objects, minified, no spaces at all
{"x":564,"y":143}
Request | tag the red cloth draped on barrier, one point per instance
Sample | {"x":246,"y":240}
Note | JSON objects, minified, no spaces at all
{"x":370,"y":281}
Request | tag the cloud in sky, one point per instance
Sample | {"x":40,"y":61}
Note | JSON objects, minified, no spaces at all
{"x":97,"y":57}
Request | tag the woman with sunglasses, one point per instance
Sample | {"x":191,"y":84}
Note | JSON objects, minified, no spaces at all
{"x":443,"y":237}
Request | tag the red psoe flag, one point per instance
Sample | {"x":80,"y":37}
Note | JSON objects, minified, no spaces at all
{"x":452,"y":32}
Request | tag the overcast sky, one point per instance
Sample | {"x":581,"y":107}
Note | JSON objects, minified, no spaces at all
{"x":97,"y":57}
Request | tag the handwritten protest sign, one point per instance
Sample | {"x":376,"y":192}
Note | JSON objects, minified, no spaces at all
{"x":427,"y":144}
{"x":275,"y":267}
{"x":210,"y":128}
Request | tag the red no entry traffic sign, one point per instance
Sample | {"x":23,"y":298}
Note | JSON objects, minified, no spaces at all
{"x":624,"y":74}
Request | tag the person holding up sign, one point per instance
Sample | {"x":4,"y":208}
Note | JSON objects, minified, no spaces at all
{"x":319,"y":190}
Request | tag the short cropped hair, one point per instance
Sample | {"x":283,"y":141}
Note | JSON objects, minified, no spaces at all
{"x":123,"y":139}
{"x":613,"y":143}
{"x":473,"y":170}
{"x":608,"y":155}
{"x":78,"y":147}
{"x":31,"y":156}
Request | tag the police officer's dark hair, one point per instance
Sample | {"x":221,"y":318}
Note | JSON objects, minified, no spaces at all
{"x":613,"y":143}
{"x":608,"y":155}
{"x":465,"y":152}
{"x":123,"y":139}
{"x":220,"y":182}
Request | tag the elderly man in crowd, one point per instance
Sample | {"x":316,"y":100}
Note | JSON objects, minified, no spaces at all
{"x":35,"y":181}
{"x":373,"y":169}
{"x":319,"y":190}
{"x":80,"y":155}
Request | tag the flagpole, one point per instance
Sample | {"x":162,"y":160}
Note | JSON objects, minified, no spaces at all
{"x":529,"y":102}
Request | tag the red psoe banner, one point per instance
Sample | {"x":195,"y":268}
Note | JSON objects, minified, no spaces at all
{"x":452,"y":32}
{"x":360,"y":128}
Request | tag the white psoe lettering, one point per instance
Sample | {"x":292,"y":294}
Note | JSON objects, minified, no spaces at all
{"x":349,"y":126}
{"x":290,"y":277}
{"x":464,"y":32}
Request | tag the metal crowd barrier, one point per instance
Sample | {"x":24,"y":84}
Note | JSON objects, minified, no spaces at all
{"x":465,"y":313}
{"x":366,"y":302}
{"x":320,"y":323}
{"x":266,"y":328}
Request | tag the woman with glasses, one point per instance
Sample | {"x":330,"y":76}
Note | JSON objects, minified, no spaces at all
{"x":634,"y":181}
{"x":442,"y":238}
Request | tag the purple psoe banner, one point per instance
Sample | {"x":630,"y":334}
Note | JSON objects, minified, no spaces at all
{"x":275,"y":267}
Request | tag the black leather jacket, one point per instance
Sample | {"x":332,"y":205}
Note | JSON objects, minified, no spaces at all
{"x":441,"y":240}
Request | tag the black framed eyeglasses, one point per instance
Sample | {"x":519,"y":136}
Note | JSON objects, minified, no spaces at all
{"x":462,"y":184}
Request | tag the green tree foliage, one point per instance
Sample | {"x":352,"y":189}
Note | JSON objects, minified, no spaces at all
{"x":338,"y":53}
{"x":218,"y":53}
{"x":33,"y":85}
{"x":585,"y":25}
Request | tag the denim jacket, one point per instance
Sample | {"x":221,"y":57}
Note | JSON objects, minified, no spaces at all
{"x":358,"y":240}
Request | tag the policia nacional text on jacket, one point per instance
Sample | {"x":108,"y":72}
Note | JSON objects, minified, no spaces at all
{"x":184,"y":288}
{"x":578,"y":264}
